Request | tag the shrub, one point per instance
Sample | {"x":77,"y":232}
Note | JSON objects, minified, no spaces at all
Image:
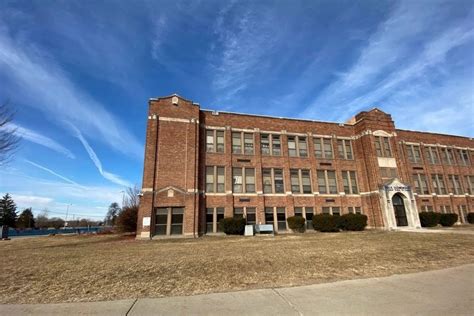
{"x":326,"y":223}
{"x":447,"y":220}
{"x":233,"y":225}
{"x":429,"y":219}
{"x":470,"y":218}
{"x":353,"y":222}
{"x":127,"y":219}
{"x":296,"y":223}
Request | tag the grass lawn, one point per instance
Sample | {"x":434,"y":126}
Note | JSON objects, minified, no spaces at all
{"x":94,"y":268}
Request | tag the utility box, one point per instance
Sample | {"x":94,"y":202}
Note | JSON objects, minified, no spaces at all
{"x":248,"y":230}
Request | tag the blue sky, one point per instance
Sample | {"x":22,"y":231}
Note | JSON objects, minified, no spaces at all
{"x":79,"y":75}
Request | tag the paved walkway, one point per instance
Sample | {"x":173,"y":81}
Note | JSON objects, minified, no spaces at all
{"x":442,"y":292}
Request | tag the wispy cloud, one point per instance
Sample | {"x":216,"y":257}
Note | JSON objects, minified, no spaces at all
{"x":42,"y":140}
{"x":95,"y":159}
{"x":52,"y":172}
{"x":48,"y":88}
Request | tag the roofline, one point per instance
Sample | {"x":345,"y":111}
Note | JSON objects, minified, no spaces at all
{"x":277,"y":117}
{"x":433,"y":133}
{"x":172,"y":95}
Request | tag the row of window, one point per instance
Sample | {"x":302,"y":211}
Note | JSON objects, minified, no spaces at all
{"x":438,"y":184}
{"x":273,"y":215}
{"x":434,"y":155}
{"x":461,"y":209}
{"x":243,"y":180}
{"x":270,"y":145}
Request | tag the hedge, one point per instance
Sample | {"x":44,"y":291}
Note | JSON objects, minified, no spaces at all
{"x":429,"y":219}
{"x":470,"y":218}
{"x":296,"y":223}
{"x":447,"y":220}
{"x":233,"y":225}
{"x":353,"y":222}
{"x":326,"y":222}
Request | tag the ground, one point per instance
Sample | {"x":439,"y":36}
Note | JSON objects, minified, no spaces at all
{"x":96,"y":268}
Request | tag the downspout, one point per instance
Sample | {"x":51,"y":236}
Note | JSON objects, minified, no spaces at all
{"x":196,"y":171}
{"x":370,"y":197}
{"x":155,"y":163}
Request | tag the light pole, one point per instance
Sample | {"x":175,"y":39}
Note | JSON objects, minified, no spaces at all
{"x":67,"y":211}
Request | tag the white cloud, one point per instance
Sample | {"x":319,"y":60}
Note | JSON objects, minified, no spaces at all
{"x":107,"y":175}
{"x":42,"y":140}
{"x":48,"y":88}
{"x":52,"y":172}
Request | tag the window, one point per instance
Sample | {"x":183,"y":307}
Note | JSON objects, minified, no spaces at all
{"x":447,"y":156}
{"x":462,"y":210}
{"x":421,"y":184}
{"x":382,"y":146}
{"x":250,"y":215}
{"x":214,"y":141}
{"x":239,"y":138}
{"x":297,"y":146}
{"x":344,"y":149}
{"x":463,"y":157}
{"x":432,"y":155}
{"x":388,"y":173}
{"x":307,"y":213}
{"x":333,"y":210}
{"x":169,"y":220}
{"x":469,"y":181}
{"x":427,"y":208}
{"x":445,"y":209}
{"x":350,"y":182}
{"x":272,"y":180}
{"x":238,"y":212}
{"x":438,"y":183}
{"x":413,"y":153}
{"x":270,"y":144}
{"x":454,"y":184}
{"x":354,"y":210}
{"x":243,"y":180}
{"x":277,"y":217}
{"x":300,"y":181}
{"x":327,"y":183}
{"x":323,"y":148}
{"x":213,"y":217}
{"x":215,"y":179}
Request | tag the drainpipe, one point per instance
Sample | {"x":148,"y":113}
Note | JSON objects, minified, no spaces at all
{"x":155,"y":163}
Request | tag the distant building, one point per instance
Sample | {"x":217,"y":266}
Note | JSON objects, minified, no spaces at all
{"x":201,"y":166}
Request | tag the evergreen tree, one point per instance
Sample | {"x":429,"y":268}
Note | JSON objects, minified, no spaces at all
{"x":26,"y":219}
{"x":7,"y":211}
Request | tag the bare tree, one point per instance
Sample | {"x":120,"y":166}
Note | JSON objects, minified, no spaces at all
{"x":132,"y":199}
{"x":8,"y":137}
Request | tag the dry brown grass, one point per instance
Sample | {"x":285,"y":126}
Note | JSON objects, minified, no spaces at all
{"x":93,"y":268}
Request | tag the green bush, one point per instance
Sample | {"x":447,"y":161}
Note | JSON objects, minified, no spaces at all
{"x":447,"y":220}
{"x":353,"y":222}
{"x":296,"y":223}
{"x":233,"y":225}
{"x":429,"y":219}
{"x":326,"y":222}
{"x":470,"y":218}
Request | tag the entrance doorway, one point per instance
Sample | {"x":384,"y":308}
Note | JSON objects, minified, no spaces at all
{"x":399,"y":208}
{"x":169,"y":221}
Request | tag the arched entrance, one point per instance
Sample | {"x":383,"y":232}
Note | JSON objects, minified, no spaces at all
{"x":399,"y":208}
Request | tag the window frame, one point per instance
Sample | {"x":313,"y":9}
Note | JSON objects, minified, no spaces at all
{"x":243,"y":175}
{"x":215,"y":178}
{"x":300,"y":176}
{"x":349,"y":176}
{"x":297,"y":149}
{"x":417,"y":179}
{"x":273,"y":184}
{"x":215,"y":142}
{"x":383,"y":148}
{"x":342,"y":144}
{"x":327,"y":190}
{"x":242,"y":139}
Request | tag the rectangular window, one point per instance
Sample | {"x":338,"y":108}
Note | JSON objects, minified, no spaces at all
{"x":344,"y":149}
{"x":445,"y":209}
{"x":299,"y":211}
{"x":382,"y":146}
{"x":447,"y":156}
{"x":278,"y":222}
{"x":276,"y":145}
{"x":336,"y":210}
{"x":215,"y":179}
{"x":454,"y":184}
{"x":350,"y":182}
{"x":333,"y":210}
{"x":354,"y":210}
{"x":238,"y":212}
{"x":432,"y":155}
{"x":297,"y":146}
{"x":250,"y":215}
{"x":161,"y":219}
{"x":323,"y":148}
{"x":177,"y":214}
{"x":300,"y":181}
{"x":265,"y":144}
{"x":413,"y":153}
{"x":463,"y":157}
{"x":427,"y":208}
{"x":462,"y":210}
{"x":239,"y":138}
{"x":272,"y":180}
{"x":421,"y":184}
{"x":281,"y":218}
{"x":438,"y":183}
{"x":214,"y":141}
{"x":270,"y":144}
{"x":269,"y":215}
{"x":469,"y":181}
{"x":308,"y":214}
{"x":213,"y":217}
{"x":243,"y":180}
{"x":327,"y":182}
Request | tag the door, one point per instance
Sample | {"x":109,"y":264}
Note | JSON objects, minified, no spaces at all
{"x":399,"y":209}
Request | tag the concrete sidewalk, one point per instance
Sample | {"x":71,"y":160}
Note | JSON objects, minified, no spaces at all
{"x":441,"y":292}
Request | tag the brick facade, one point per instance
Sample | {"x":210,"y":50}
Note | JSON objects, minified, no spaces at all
{"x":176,"y":157}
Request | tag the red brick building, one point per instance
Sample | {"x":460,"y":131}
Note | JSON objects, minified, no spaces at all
{"x":201,"y":166}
